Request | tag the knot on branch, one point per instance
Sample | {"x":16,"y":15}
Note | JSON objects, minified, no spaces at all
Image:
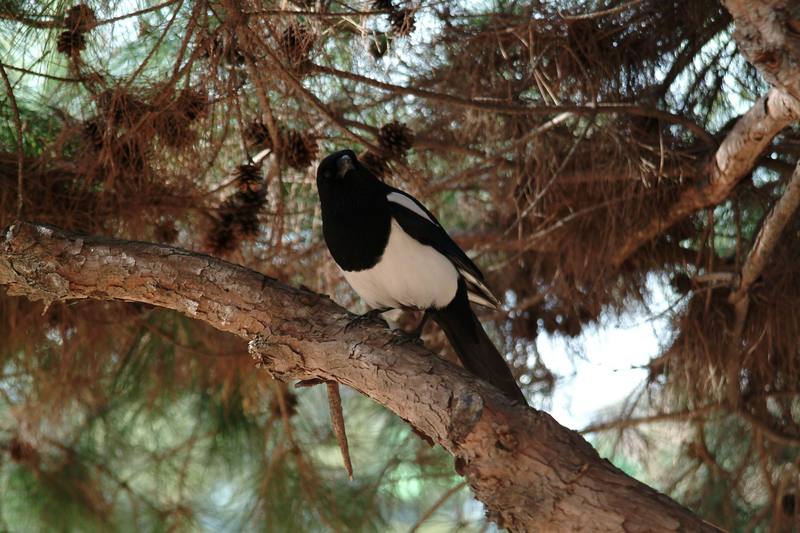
{"x":506,"y":440}
{"x":276,"y":355}
{"x":466,"y":407}
{"x":24,"y":272}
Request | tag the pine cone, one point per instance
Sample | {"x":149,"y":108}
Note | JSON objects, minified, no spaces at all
{"x":395,"y":139}
{"x":174,"y":129}
{"x":249,"y":178}
{"x":299,"y":151}
{"x":257,"y":133}
{"x":402,"y":21}
{"x":250,"y":204}
{"x":296,"y":43}
{"x":71,"y":43}
{"x":120,"y":107}
{"x":192,"y":103}
{"x":80,"y":18}
{"x":92,"y":131}
{"x":222,"y":239}
{"x":238,"y":214}
{"x":374,"y":163}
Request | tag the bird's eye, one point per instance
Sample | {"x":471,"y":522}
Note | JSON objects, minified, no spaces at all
{"x":343,"y":164}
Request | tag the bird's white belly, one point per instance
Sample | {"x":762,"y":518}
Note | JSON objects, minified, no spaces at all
{"x":409,"y":274}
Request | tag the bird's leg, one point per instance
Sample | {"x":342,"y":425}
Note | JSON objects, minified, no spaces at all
{"x":369,"y":316}
{"x":414,"y":335}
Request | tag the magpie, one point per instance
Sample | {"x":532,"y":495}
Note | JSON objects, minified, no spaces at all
{"x":396,"y":255}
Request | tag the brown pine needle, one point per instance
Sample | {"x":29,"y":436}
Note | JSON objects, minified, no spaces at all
{"x":337,"y":419}
{"x":20,"y":151}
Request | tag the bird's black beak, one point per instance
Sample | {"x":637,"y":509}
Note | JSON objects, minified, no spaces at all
{"x":343,"y":165}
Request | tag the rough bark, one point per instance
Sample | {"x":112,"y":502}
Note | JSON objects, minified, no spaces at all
{"x":532,"y":473}
{"x":768,"y":33}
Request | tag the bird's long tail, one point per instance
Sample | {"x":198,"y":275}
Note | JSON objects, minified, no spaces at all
{"x":474,"y":347}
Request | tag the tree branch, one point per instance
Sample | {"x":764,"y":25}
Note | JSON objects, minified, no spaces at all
{"x":733,"y":160}
{"x":768,"y":235}
{"x":532,"y":473}
{"x":515,"y":108}
{"x":766,"y":31}
{"x":766,"y":240}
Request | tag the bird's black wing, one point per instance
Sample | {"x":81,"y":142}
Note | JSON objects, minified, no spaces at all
{"x":420,"y":224}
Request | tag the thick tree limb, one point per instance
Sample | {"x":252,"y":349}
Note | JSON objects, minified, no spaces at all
{"x":532,"y":474}
{"x":768,"y":32}
{"x":733,"y":160}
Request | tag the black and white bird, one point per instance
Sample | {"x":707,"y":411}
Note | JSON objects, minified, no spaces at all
{"x":395,"y":254}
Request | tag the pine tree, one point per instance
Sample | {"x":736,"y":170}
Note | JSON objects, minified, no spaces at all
{"x":589,"y":150}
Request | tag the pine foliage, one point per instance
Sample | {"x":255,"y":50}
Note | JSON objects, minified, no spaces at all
{"x":543,"y":133}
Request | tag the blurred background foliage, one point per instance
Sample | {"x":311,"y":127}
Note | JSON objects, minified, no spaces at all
{"x":198,"y":124}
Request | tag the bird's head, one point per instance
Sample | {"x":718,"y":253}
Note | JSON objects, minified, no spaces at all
{"x":344,"y":182}
{"x":337,"y":166}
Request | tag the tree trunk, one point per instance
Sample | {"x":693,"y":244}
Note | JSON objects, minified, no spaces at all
{"x":532,"y":473}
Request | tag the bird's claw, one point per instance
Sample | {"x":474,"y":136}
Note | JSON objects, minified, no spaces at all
{"x":400,"y":337}
{"x":369,"y":316}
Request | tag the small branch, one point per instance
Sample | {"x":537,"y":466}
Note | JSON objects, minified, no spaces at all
{"x":138,"y":13}
{"x":266,"y":107}
{"x":496,"y":106}
{"x":268,"y":13}
{"x":769,"y":234}
{"x":688,"y":414}
{"x":41,"y":74}
{"x":156,"y":46}
{"x":766,"y":240}
{"x":337,"y":420}
{"x":604,"y":12}
{"x":770,"y":433}
{"x":20,"y":150}
{"x":298,"y":86}
{"x":436,"y":505}
{"x":57,"y":22}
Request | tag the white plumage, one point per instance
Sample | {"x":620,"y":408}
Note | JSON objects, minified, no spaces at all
{"x":408,"y":274}
{"x":410,"y":204}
